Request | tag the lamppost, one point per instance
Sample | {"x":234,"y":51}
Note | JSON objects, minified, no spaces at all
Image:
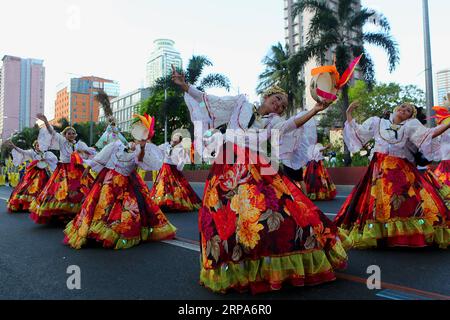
{"x":428,"y":63}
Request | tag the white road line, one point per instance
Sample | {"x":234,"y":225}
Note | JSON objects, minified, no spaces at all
{"x":182,"y":244}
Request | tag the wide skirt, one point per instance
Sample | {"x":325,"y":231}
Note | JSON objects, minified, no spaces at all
{"x":443,"y":172}
{"x":172,"y":192}
{"x":63,"y":195}
{"x":259,"y":231}
{"x":394,"y":205}
{"x":319,"y":185}
{"x":118,"y":213}
{"x":28,"y":189}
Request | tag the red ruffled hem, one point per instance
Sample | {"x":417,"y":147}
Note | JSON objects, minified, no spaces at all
{"x":48,"y":216}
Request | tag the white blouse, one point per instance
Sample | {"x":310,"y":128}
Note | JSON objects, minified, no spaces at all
{"x":444,"y":146}
{"x":315,"y":152}
{"x":114,"y":156}
{"x":411,"y":134}
{"x":56,"y":141}
{"x":45,"y":159}
{"x":175,"y":155}
{"x":294,"y":145}
{"x":236,"y":112}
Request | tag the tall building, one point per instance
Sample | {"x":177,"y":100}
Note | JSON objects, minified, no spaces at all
{"x":22,"y":93}
{"x":76,"y":100}
{"x":296,"y":30}
{"x":442,"y":85}
{"x":125,"y":106}
{"x":161,"y":59}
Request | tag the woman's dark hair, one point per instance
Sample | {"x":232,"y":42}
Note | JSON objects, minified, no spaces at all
{"x":421,"y":116}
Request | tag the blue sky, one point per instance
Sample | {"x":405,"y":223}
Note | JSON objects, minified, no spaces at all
{"x":113,"y":38}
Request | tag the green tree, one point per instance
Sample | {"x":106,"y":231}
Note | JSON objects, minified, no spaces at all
{"x":283,"y":74}
{"x":174,"y":107}
{"x":341,"y":31}
{"x":383,"y":97}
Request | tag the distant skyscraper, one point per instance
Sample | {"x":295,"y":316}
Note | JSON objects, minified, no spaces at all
{"x":296,"y":31}
{"x":161,"y":59}
{"x":442,"y":85}
{"x":125,"y":106}
{"x":75,"y":101}
{"x":22,"y":92}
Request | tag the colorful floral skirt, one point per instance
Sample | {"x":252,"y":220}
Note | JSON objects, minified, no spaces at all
{"x":443,"y":172}
{"x":118,"y":213}
{"x":259,"y":231}
{"x":318,"y":182}
{"x":172,"y":192}
{"x":62,"y":196}
{"x":28,"y":189}
{"x":394,"y":205}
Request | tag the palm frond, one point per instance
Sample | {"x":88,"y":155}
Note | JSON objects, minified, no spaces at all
{"x":195,"y":68}
{"x":215,"y":80}
{"x":311,"y":5}
{"x":386,"y":42}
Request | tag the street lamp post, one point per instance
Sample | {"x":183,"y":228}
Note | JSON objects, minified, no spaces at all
{"x":91,"y":102}
{"x":428,"y":63}
{"x":165,"y":114}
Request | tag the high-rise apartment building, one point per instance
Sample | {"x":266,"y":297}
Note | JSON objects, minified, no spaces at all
{"x":442,"y":85}
{"x":22,"y":93}
{"x":76,"y":101}
{"x":296,"y":30}
{"x":161,"y":60}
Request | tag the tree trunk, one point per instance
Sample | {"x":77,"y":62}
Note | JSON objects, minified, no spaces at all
{"x":345,"y":104}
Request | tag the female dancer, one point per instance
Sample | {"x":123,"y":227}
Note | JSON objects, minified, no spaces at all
{"x":258,"y":230}
{"x":171,"y":191}
{"x":36,"y":175}
{"x":119,"y":211}
{"x":319,"y":185}
{"x":394,"y":203}
{"x":62,"y":196}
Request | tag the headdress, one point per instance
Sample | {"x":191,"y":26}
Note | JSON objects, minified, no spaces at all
{"x":274,"y":90}
{"x":327,"y":81}
{"x":143,"y":128}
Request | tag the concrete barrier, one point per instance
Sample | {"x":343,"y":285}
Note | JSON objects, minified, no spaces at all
{"x":340,"y":176}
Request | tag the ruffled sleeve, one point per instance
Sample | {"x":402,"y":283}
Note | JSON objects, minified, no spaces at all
{"x":422,"y":138}
{"x":180,"y":157}
{"x":85,"y":151}
{"x":19,"y":156}
{"x":51,"y":160}
{"x":444,"y":146}
{"x":153,"y":157}
{"x":102,"y":158}
{"x":211,"y":110}
{"x":356,"y":135}
{"x":315,"y":152}
{"x":294,"y":145}
{"x":49,"y":141}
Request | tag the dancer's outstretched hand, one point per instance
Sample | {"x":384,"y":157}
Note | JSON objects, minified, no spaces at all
{"x":179,"y":79}
{"x":353,"y":106}
{"x":42,"y":117}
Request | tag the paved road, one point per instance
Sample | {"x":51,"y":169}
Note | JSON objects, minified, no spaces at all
{"x":33,"y":265}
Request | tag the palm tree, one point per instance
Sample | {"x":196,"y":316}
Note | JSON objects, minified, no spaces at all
{"x":341,"y":30}
{"x":193,"y":74}
{"x":174,"y":108}
{"x":283,"y":74}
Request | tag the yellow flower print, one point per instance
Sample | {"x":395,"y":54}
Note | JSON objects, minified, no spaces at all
{"x":212,"y":198}
{"x":430,"y":210}
{"x":248,"y":233}
{"x":119,"y":180}
{"x":34,"y":186}
{"x":280,"y":187}
{"x":390,"y":163}
{"x":61,"y":194}
{"x":72,"y":174}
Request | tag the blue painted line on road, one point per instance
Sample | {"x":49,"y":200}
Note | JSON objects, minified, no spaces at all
{"x":397,"y":295}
